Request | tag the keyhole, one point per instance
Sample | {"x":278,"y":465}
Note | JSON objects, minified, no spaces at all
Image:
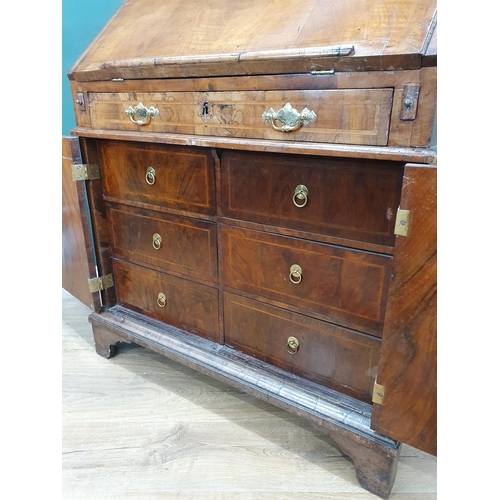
{"x":204,"y":111}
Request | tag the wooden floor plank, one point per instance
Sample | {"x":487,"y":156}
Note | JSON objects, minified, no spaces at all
{"x":139,"y":426}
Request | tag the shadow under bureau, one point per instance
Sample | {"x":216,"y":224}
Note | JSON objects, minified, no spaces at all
{"x":267,"y":215}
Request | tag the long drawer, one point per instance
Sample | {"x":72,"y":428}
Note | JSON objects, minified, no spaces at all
{"x":174,"y":177}
{"x":332,"y":356}
{"x":342,"y":116}
{"x":348,"y":286}
{"x":351,"y":199}
{"x":174,"y":244}
{"x":180,"y":303}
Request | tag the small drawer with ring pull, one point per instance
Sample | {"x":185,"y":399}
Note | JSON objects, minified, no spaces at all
{"x":170,"y":243}
{"x":334,"y":197}
{"x":172,"y":177}
{"x":339,"y":285}
{"x":184,"y":304}
{"x":330,"y":355}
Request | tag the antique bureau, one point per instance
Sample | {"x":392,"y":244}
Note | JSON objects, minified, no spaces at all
{"x":256,"y":190}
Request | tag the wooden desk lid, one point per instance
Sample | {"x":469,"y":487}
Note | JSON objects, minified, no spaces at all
{"x":176,"y":38}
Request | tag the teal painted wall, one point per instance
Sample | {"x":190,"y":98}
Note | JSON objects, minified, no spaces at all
{"x":82,"y":20}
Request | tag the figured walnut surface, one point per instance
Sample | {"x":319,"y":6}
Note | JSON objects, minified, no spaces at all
{"x":340,"y":285}
{"x":188,"y":305}
{"x":351,"y":199}
{"x":187,"y":247}
{"x":146,"y":35}
{"x":183,"y":179}
{"x":75,"y":252}
{"x":408,"y":366}
{"x":331,"y":356}
{"x":354,"y":116}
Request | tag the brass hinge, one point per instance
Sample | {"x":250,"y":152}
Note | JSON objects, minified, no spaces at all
{"x":85,"y":172}
{"x":378,"y":393}
{"x":402,"y":222}
{"x":99,"y":284}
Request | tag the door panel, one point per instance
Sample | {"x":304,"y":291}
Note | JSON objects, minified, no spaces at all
{"x":408,"y":365}
{"x":76,"y":253}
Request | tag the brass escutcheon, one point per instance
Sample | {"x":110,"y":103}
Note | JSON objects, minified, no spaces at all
{"x":292,"y":345}
{"x":295,"y":274}
{"x":150,"y":176}
{"x":300,"y":195}
{"x":156,"y":241}
{"x":161,"y":300}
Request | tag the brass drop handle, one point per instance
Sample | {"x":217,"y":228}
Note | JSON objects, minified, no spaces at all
{"x":156,"y":241}
{"x":295,"y":274}
{"x":150,"y":176}
{"x":140,"y":115}
{"x":300,"y":196}
{"x":292,"y":345}
{"x":161,"y":300}
{"x":289,"y":117}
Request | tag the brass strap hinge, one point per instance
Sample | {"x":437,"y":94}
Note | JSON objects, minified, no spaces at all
{"x":378,"y":393}
{"x":99,"y":284}
{"x":402,"y":222}
{"x":85,"y":172}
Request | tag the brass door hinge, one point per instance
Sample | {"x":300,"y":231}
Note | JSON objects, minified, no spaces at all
{"x":402,"y":222}
{"x":85,"y":172}
{"x":378,"y":393}
{"x":99,"y":284}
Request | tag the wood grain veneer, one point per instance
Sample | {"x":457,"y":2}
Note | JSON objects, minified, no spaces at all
{"x":343,"y":286}
{"x":184,"y":177}
{"x":354,"y":116}
{"x":174,"y":39}
{"x":334,"y":357}
{"x":189,"y":306}
{"x":188,"y":246}
{"x":347,"y":199}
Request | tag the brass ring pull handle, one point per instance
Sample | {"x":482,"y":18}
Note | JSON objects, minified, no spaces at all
{"x":140,"y":115}
{"x":150,"y":176}
{"x":292,"y":345}
{"x":300,"y":196}
{"x":156,"y":241}
{"x":161,"y":300}
{"x":289,"y":117}
{"x":295,"y":274}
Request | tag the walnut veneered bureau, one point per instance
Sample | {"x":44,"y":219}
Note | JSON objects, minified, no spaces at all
{"x":256,"y":189}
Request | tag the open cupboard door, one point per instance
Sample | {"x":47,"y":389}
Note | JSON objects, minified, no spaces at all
{"x":405,"y":394}
{"x":78,"y":255}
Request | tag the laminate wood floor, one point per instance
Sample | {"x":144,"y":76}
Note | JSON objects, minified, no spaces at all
{"x":139,"y":426}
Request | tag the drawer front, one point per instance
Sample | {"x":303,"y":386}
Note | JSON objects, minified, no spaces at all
{"x":348,"y":286}
{"x":173,"y":244}
{"x":351,"y":199}
{"x":335,"y":357}
{"x":185,"y":305}
{"x":181,"y":178}
{"x":352,"y":116}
